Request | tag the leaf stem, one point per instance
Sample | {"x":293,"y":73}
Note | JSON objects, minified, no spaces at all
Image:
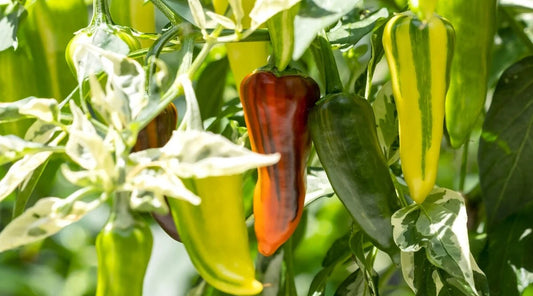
{"x":167,"y":11}
{"x":464,"y":167}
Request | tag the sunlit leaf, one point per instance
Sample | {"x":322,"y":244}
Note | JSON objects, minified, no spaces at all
{"x":10,"y":14}
{"x":265,"y":9}
{"x":20,"y":170}
{"x":41,"y":221}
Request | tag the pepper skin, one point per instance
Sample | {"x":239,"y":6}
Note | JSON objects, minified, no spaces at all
{"x":343,"y":131}
{"x":138,"y":14}
{"x":276,"y":109}
{"x":419,"y":53}
{"x":214,"y":234}
{"x":474,"y":22}
{"x":123,"y":247}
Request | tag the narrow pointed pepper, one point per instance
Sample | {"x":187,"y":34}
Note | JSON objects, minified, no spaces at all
{"x":471,"y":62}
{"x":123,"y":247}
{"x":276,"y":107}
{"x":419,"y":52}
{"x":214,"y":233}
{"x":344,"y":133}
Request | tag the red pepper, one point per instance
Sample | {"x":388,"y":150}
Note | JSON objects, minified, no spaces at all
{"x":276,"y":108}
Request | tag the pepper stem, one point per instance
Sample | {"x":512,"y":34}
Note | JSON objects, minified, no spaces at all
{"x":330,"y":72}
{"x":101,"y":13}
{"x":424,"y":9}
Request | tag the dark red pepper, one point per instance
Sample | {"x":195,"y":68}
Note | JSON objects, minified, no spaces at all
{"x":276,"y":108}
{"x":156,"y":134}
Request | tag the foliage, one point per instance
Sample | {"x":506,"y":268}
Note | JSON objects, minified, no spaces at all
{"x":64,"y":160}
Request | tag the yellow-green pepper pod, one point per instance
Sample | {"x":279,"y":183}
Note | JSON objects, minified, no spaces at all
{"x":138,"y":14}
{"x":244,"y":57}
{"x":215,"y":235}
{"x":419,"y":54}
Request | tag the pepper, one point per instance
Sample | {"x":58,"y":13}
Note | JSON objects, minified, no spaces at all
{"x":101,"y":28}
{"x":215,"y":235}
{"x":419,"y":52}
{"x":123,"y":248}
{"x":343,"y":131}
{"x":276,"y":107}
{"x":156,"y":134}
{"x":138,"y":14}
{"x":254,"y":53}
{"x":471,"y":62}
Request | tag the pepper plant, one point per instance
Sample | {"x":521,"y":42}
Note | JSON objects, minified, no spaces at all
{"x":291,"y":147}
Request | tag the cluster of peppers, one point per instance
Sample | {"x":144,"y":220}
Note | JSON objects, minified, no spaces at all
{"x":284,"y":114}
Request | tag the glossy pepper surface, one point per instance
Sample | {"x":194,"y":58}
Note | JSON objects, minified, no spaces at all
{"x":276,"y":109}
{"x":123,"y":247}
{"x":343,"y":131}
{"x":138,"y":14}
{"x":474,"y":22}
{"x":214,"y":234}
{"x":419,"y":52}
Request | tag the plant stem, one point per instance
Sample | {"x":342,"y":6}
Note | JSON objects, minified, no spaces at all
{"x":288,"y":258}
{"x":464,"y":167}
{"x":169,"y":13}
{"x":100,"y":13}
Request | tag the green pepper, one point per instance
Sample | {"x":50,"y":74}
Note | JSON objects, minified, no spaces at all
{"x":474,"y":22}
{"x":123,"y":247}
{"x":102,"y":32}
{"x":344,"y":134}
{"x":215,"y":235}
{"x":276,"y":107}
{"x":419,"y":52}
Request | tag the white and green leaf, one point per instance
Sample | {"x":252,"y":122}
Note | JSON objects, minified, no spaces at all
{"x":41,"y":221}
{"x":265,"y":9}
{"x":439,"y":227}
{"x":43,"y":109}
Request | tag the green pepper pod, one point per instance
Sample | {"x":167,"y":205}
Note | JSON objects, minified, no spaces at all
{"x":138,"y":14}
{"x":276,"y":107}
{"x":344,"y":134}
{"x":474,"y":22}
{"x":123,"y":247}
{"x":214,"y":234}
{"x":419,"y":54}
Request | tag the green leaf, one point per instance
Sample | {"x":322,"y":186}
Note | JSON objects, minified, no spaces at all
{"x":314,"y":16}
{"x":439,"y":226}
{"x":41,"y":221}
{"x":506,"y":148}
{"x":518,"y":3}
{"x":387,"y":123}
{"x":10,"y":15}
{"x":368,"y":275}
{"x":508,"y":260}
{"x":348,"y":34}
{"x":354,"y":285}
{"x":210,"y":88}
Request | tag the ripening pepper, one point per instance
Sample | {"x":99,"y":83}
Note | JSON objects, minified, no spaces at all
{"x":474,"y":22}
{"x":214,"y":233}
{"x":101,"y":28}
{"x":123,"y":247}
{"x":276,"y":107}
{"x":343,"y":130}
{"x":254,"y":53}
{"x":156,"y":134}
{"x":419,"y":52}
